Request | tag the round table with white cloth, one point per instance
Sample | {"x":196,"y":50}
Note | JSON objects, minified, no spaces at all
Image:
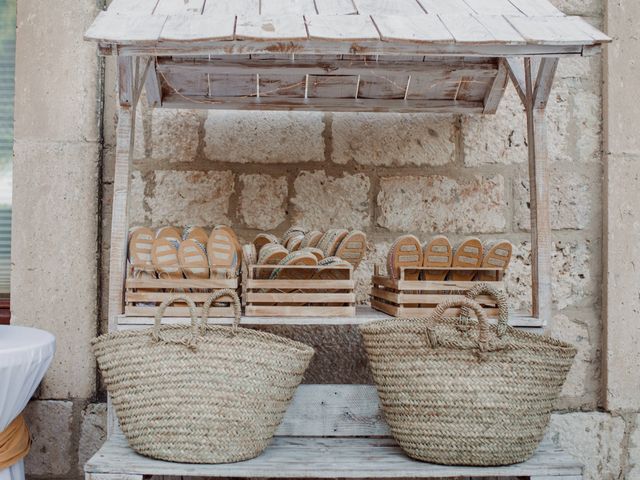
{"x":25,"y":355}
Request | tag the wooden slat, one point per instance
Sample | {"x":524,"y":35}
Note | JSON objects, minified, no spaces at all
{"x":139,"y":29}
{"x":281,"y":27}
{"x":496,"y":92}
{"x":159,"y":283}
{"x":406,"y":8}
{"x":247,"y":8}
{"x":253,"y":297}
{"x":481,"y":29}
{"x":314,"y":457}
{"x":179,"y":7}
{"x":225,"y":312}
{"x":183,"y":28}
{"x":341,"y":27}
{"x":516,"y":73}
{"x":551,"y":30}
{"x":335,"y":7}
{"x":590,"y":30}
{"x":145,"y":296}
{"x":129,"y":7}
{"x":544,"y":81}
{"x":292,"y":311}
{"x":454,"y":7}
{"x":493,"y":7}
{"x":152,"y":86}
{"x":252,"y":283}
{"x":537,"y":8}
{"x":418,"y":28}
{"x":501,"y":29}
{"x":290,"y":7}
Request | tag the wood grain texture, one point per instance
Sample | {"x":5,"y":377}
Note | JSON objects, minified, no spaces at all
{"x":537,"y":8}
{"x":236,"y":7}
{"x":289,"y":7}
{"x":552,"y":30}
{"x":179,"y":7}
{"x":183,"y":28}
{"x":341,"y":27}
{"x":281,"y":27}
{"x":419,"y":28}
{"x":407,"y":8}
{"x":335,"y":7}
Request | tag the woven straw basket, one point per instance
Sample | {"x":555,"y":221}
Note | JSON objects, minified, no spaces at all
{"x":200,"y":394}
{"x":459,"y":392}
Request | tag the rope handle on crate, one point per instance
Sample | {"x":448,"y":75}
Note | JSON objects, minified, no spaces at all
{"x":156,"y":332}
{"x":483,"y":323}
{"x":500,"y":298}
{"x":235,"y":302}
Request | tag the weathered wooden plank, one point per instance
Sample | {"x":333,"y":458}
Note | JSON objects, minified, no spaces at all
{"x":551,"y":30}
{"x":493,"y":7}
{"x":124,"y":29}
{"x":179,"y":7}
{"x":313,"y":457}
{"x":516,"y":73}
{"x":496,"y":92}
{"x":341,"y":27}
{"x":501,"y":29}
{"x":246,"y":8}
{"x":128,"y":7}
{"x":189,"y":28}
{"x":418,"y":28}
{"x":152,"y":86}
{"x":537,"y":8}
{"x":454,"y":7}
{"x":477,"y":29}
{"x":590,"y":30}
{"x":544,"y":81}
{"x":274,"y":8}
{"x":389,"y":7}
{"x":280,"y":311}
{"x":281,"y":27}
{"x":335,"y":7}
{"x":125,"y":80}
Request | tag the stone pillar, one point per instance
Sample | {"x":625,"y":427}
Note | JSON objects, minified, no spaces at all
{"x":622,"y":208}
{"x":55,"y":198}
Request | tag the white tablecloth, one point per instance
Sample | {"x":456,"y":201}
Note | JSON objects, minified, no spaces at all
{"x":25,"y":356}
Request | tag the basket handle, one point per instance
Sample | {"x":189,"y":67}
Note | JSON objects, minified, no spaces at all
{"x":156,"y":331}
{"x":235,"y":301}
{"x":501,"y":300}
{"x":466,"y":303}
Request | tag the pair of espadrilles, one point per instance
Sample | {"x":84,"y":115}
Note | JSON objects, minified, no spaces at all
{"x":299,"y":246}
{"x":407,"y":251}
{"x":193,"y":253}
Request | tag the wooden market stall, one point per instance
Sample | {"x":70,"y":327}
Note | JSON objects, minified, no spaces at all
{"x":437,"y":56}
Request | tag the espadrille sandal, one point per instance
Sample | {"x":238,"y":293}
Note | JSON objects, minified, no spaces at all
{"x":498,"y":255}
{"x":437,"y":253}
{"x":140,"y":245}
{"x":353,"y":248}
{"x":164,"y":256}
{"x":293,"y":243}
{"x":222,"y":253}
{"x":331,"y":240}
{"x":193,"y":259}
{"x":263,"y":239}
{"x":315,"y":251}
{"x":325,"y":273}
{"x":234,"y":238}
{"x":468,"y":254}
{"x":193,"y":232}
{"x":270,"y":254}
{"x":406,"y":251}
{"x":249,"y":254}
{"x":294,"y":231}
{"x":311,"y":239}
{"x":169,"y":233}
{"x":294,"y":259}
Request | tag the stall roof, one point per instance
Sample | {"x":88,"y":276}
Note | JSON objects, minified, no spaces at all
{"x":364,"y":27}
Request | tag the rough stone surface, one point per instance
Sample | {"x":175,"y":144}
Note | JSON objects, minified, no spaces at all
{"x":50,"y":423}
{"x":393,"y":139}
{"x":591,"y":8}
{"x":264,"y":137}
{"x":166,"y":134}
{"x":263,"y":201}
{"x":571,"y":195}
{"x":324,"y":202}
{"x":54,"y":281}
{"x":633,"y":463}
{"x":571,"y":267}
{"x":191,"y":197}
{"x":93,"y":432}
{"x":593,"y":438}
{"x":441,"y":204}
{"x":376,"y":255}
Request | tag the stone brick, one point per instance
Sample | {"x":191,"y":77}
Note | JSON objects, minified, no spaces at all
{"x":593,"y":438}
{"x":263,"y":201}
{"x":571,"y":269}
{"x":191,"y":197}
{"x":264,"y":137}
{"x":439,"y":204}
{"x":324,"y":202}
{"x":393,"y":139}
{"x":571,"y":195}
{"x":581,"y":328}
{"x":634,"y":451}
{"x":50,"y":424}
{"x":167,"y":134}
{"x":93,"y":432}
{"x":54,"y":251}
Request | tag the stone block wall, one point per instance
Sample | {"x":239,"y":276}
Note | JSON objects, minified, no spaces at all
{"x":385,"y":174}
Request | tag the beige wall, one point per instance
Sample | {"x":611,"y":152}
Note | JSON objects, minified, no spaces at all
{"x":385,"y":174}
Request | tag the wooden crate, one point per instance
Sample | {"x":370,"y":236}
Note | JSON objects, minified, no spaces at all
{"x":143,"y":296}
{"x":408,"y":298}
{"x":300,"y":298}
